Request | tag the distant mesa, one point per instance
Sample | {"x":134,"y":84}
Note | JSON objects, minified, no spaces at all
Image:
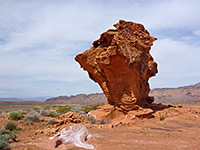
{"x":79,"y":99}
{"x":181,"y":95}
{"x":120,"y":62}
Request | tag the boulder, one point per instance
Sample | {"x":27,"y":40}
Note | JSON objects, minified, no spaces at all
{"x":120,"y":62}
{"x":77,"y":134}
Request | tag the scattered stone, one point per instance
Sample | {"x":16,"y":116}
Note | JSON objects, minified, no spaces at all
{"x":144,"y":113}
{"x":174,"y":106}
{"x":69,"y":117}
{"x":180,"y":106}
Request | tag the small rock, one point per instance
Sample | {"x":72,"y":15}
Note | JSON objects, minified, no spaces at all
{"x":180,"y":106}
{"x":172,"y":106}
{"x":41,"y":132}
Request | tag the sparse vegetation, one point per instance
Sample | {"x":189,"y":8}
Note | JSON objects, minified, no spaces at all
{"x":3,"y":144}
{"x":23,"y":112}
{"x":105,"y":121}
{"x":10,"y":126}
{"x":62,"y":109}
{"x":47,"y":108}
{"x":53,"y":114}
{"x":32,"y":118}
{"x":76,"y":109}
{"x":161,"y":117}
{"x":98,"y":121}
{"x":87,"y":109}
{"x":4,"y":137}
{"x":44,"y":112}
{"x":4,"y":131}
{"x":15,"y":116}
{"x":50,"y":122}
{"x":42,"y":120}
{"x":7,"y":134}
{"x":92,"y":120}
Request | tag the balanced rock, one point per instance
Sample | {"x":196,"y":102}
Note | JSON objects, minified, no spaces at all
{"x":120,"y":62}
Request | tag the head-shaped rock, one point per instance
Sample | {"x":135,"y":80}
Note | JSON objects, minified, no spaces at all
{"x":120,"y":62}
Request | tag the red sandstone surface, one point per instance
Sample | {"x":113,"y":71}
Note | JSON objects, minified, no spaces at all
{"x":120,"y":62}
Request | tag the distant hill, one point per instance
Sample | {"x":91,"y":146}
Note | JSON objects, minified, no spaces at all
{"x":184,"y":95}
{"x":11,"y":99}
{"x":23,"y":99}
{"x":80,"y":99}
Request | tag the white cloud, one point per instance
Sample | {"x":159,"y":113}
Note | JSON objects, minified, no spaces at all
{"x":39,"y":40}
{"x":177,"y":63}
{"x":197,"y":32}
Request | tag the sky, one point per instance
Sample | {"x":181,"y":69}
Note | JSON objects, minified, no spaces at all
{"x":40,"y":38}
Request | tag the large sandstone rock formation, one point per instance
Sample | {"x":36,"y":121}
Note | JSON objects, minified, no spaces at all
{"x":120,"y":62}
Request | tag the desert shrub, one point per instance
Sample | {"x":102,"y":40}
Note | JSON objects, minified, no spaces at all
{"x":4,"y":131}
{"x":50,"y":122}
{"x":23,"y":112}
{"x":42,"y":119}
{"x":28,"y":110}
{"x":44,"y":112}
{"x":47,"y":108}
{"x":10,"y":126}
{"x":76,"y":109}
{"x":161,"y":117}
{"x":53,"y":114}
{"x":87,"y":109}
{"x":15,"y":116}
{"x":62,"y":110}
{"x":19,"y":129}
{"x":32,"y":118}
{"x":55,"y":107}
{"x":2,"y":117}
{"x":92,"y":120}
{"x":36,"y":109}
{"x":7,"y":134}
{"x":102,"y":121}
{"x":4,"y":137}
{"x":3,"y":144}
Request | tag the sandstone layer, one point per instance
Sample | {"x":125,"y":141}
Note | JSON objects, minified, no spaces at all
{"x":120,"y":62}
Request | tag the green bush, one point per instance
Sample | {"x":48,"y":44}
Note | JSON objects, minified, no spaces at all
{"x":3,"y":144}
{"x":4,"y":137}
{"x":87,"y":109}
{"x":47,"y":108}
{"x":92,"y":120}
{"x":76,"y":109}
{"x":62,"y":110}
{"x":50,"y":122}
{"x":161,"y":117}
{"x":7,"y":134}
{"x":10,"y":126}
{"x":53,"y":114}
{"x":23,"y":112}
{"x":15,"y":116}
{"x":44,"y":112}
{"x":32,"y":118}
{"x":37,"y":110}
{"x":4,"y":131}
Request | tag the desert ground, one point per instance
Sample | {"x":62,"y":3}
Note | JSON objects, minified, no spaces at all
{"x":174,"y":127}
